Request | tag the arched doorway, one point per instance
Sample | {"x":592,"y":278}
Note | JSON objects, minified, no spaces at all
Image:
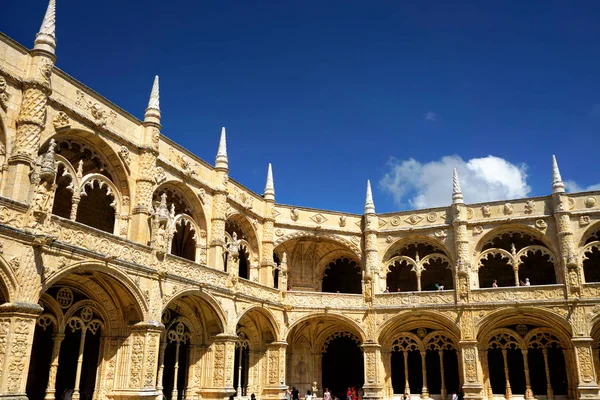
{"x":342,"y":364}
{"x":325,"y":350}
{"x":73,"y":335}
{"x":591,"y":257}
{"x":191,"y":325}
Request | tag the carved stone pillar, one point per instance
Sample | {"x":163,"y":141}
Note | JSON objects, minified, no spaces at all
{"x":371,"y":266}
{"x":587,"y":387}
{"x":57,"y":339}
{"x":373,"y":386}
{"x":17,"y":326}
{"x":424,"y":389}
{"x":268,"y":233}
{"x":161,"y":365}
{"x":549,"y":391}
{"x":507,"y":388}
{"x":145,"y":183}
{"x":406,"y":382}
{"x":528,"y":391}
{"x":276,"y":385}
{"x":220,"y":385}
{"x":219,"y":216}
{"x":30,"y":124}
{"x":444,"y":392}
{"x":473,"y":377}
{"x":461,"y":244}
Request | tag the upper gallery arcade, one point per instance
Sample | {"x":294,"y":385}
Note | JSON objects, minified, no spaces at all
{"x":130,"y":268}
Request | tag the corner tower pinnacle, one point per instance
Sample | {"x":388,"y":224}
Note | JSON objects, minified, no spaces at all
{"x":222,"y":161}
{"x":270,"y":186}
{"x":457,"y":196}
{"x":153,"y":110}
{"x":557,"y":184}
{"x":369,"y":204}
{"x":45,"y":40}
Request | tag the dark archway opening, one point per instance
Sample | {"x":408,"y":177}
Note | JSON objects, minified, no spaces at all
{"x":591,"y":265}
{"x":67,"y":363}
{"x":342,"y":276}
{"x":401,"y":278}
{"x":437,"y":272}
{"x":63,"y":197}
{"x":236,"y":370}
{"x":516,"y":371}
{"x":342,"y":366}
{"x":496,"y":268}
{"x":538,"y":268}
{"x":96,"y":208}
{"x":169,"y":370}
{"x":243,"y":267}
{"x":41,"y":353}
{"x":276,"y":271}
{"x":184,"y":242}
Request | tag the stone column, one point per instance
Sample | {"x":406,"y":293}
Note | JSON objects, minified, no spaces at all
{"x":223,"y":355}
{"x":57,"y":339}
{"x":444,"y":392}
{"x":406,"y":383}
{"x":161,"y":365}
{"x":373,"y":386}
{"x":461,"y":243}
{"x":507,"y":389}
{"x":146,"y":172}
{"x":371,"y":267}
{"x":175,"y":393}
{"x":219,"y":209}
{"x":470,"y":366}
{"x":424,"y":390}
{"x":276,"y":359}
{"x":549,"y":391}
{"x":587,"y":387}
{"x":32,"y":114}
{"x":528,"y":391}
{"x":17,"y":327}
{"x":267,"y":264}
{"x":571,"y":271}
{"x":76,"y":393}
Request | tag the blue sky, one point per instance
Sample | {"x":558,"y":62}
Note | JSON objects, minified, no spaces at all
{"x":334,"y":93}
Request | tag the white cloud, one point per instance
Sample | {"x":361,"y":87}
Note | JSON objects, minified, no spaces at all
{"x":573,"y":187}
{"x":430,"y":116}
{"x":427,"y":185}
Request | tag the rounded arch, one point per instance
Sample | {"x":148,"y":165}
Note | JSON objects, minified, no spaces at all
{"x":88,"y":182}
{"x":267,"y":314}
{"x":410,"y":320}
{"x":591,"y":231}
{"x":134,"y":291}
{"x":339,"y":318}
{"x":8,"y":281}
{"x":400,"y":243}
{"x":247,"y":232}
{"x":514,"y":228}
{"x":186,"y":202}
{"x":99,"y":147}
{"x":527,"y":315}
{"x":353,"y":247}
{"x":207,"y":298}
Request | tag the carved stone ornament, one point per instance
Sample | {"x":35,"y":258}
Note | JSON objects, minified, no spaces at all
{"x":584,"y":220}
{"x":389,"y":239}
{"x":508,"y":209}
{"x":414,"y":219}
{"x":64,"y":297}
{"x":469,"y":213}
{"x":590,"y":202}
{"x":541,"y":224}
{"x":100,"y":115}
{"x":318,"y":218}
{"x":201,"y":193}
{"x":160,"y":176}
{"x":294,"y":214}
{"x":440,"y":233}
{"x":4,"y":96}
{"x":432,"y":216}
{"x":342,"y":221}
{"x":61,"y":121}
{"x":125,"y":156}
{"x":529,"y":207}
{"x":382,"y":222}
{"x":477,"y":230}
{"x":278,"y":232}
{"x":395,"y":221}
{"x":486,"y":211}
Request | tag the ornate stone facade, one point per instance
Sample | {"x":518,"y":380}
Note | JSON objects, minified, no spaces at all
{"x":129,"y":268}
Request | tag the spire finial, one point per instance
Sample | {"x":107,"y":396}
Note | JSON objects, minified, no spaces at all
{"x":154,"y":102}
{"x":369,"y":204}
{"x":222,"y":160}
{"x":46,"y":37}
{"x":557,"y":184}
{"x":457,"y":197}
{"x":270,"y":186}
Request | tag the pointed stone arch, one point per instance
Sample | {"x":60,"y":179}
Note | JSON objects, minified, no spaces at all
{"x":207,"y":303}
{"x":409,"y":320}
{"x":398,"y":244}
{"x":269,"y":318}
{"x":186,"y":202}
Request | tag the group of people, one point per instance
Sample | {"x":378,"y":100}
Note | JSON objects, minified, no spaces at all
{"x":521,"y":283}
{"x":351,"y":394}
{"x":437,"y":287}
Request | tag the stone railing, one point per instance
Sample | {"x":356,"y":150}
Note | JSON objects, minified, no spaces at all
{"x":414,"y":298}
{"x":518,"y":293}
{"x":322,"y":300}
{"x":591,"y":290}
